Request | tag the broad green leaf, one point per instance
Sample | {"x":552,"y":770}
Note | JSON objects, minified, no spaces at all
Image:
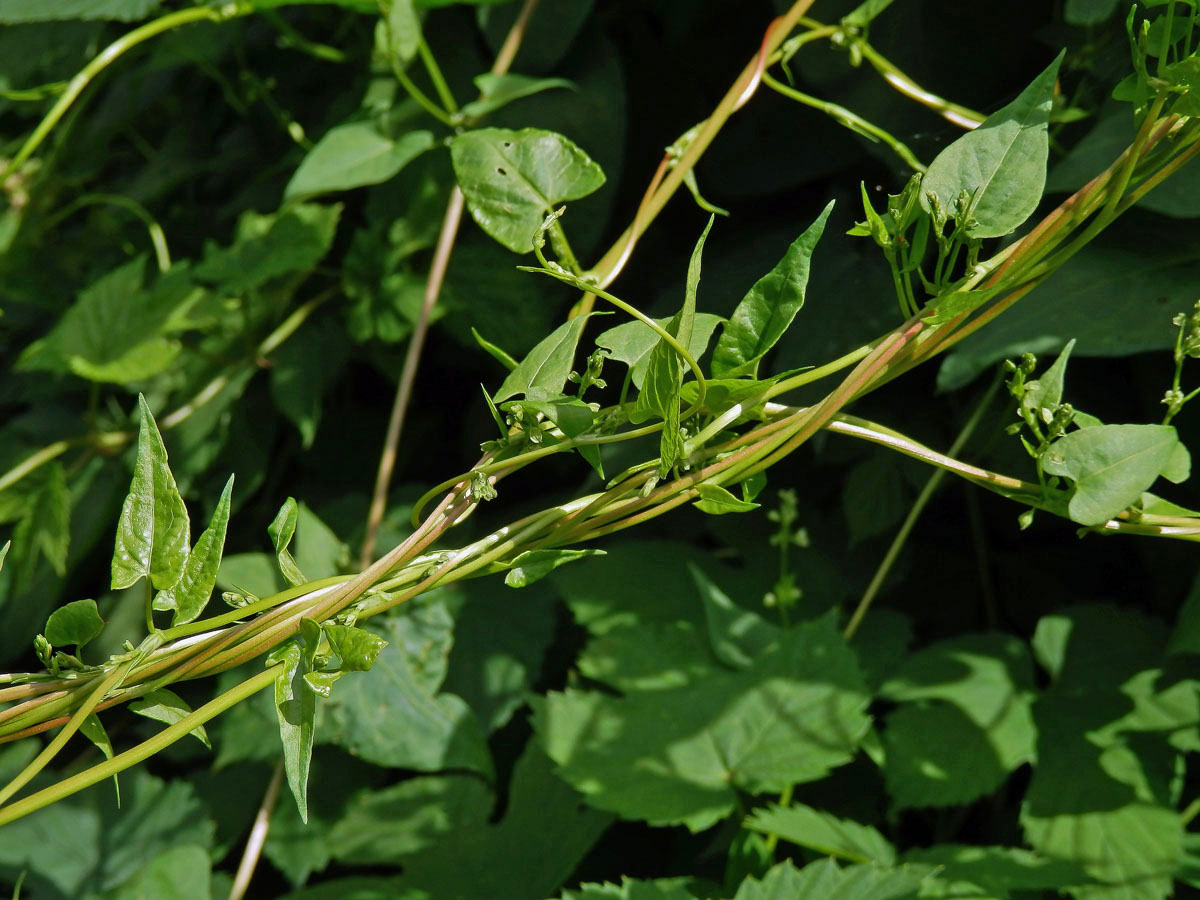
{"x":863,"y":14}
{"x":281,"y":530}
{"x":570,"y":414}
{"x":353,"y":155}
{"x":404,"y":29}
{"x":502,"y":854}
{"x":190,"y":594}
{"x":534,"y":565}
{"x":547,"y":365}
{"x":14,"y":11}
{"x":423,"y":730}
{"x":513,"y":179}
{"x":76,"y":623}
{"x":737,"y":635}
{"x":166,"y":706}
{"x":825,"y":833}
{"x":678,"y":756}
{"x":1001,"y":165}
{"x":154,"y":532}
{"x":765,"y":313}
{"x":298,"y":386}
{"x":117,"y":330}
{"x":633,"y":889}
{"x":44,"y":528}
{"x":632,"y":342}
{"x":381,"y":827}
{"x":318,"y":551}
{"x":497,"y":91}
{"x":268,"y":246}
{"x":183,"y":872}
{"x":652,"y":657}
{"x":296,"y":707}
{"x":992,"y":871}
{"x":716,"y":501}
{"x":824,"y":880}
{"x":1110,"y":465}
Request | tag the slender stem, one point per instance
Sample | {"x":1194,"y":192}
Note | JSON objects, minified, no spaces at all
{"x":951,"y":112}
{"x":914,"y":513}
{"x":35,"y":461}
{"x":419,"y":96}
{"x":258,"y":835}
{"x":435,"y":75}
{"x":107,"y":57}
{"x":158,"y":238}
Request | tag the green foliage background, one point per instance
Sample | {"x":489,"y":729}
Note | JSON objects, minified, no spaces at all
{"x":245,"y":211}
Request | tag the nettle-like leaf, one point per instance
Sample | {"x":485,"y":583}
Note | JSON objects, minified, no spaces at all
{"x":353,"y":155}
{"x":154,"y":531}
{"x":737,"y":635}
{"x":75,"y":624}
{"x":497,"y":91}
{"x":1001,"y":165}
{"x":1111,"y":465}
{"x":634,"y":889}
{"x":513,"y":179}
{"x":632,"y":342}
{"x":677,"y":756}
{"x":824,"y":880}
{"x":163,"y":705}
{"x":188,"y":596}
{"x":44,"y":527}
{"x":825,"y":833}
{"x":767,"y":310}
{"x":992,"y":871}
{"x":547,"y":365}
{"x":964,"y":723}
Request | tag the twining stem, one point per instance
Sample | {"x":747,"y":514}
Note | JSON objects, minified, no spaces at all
{"x":158,"y":239}
{"x":433,"y":288}
{"x":914,"y":513}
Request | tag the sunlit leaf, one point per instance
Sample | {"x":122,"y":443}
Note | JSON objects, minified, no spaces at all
{"x":166,"y":706}
{"x":353,"y":155}
{"x":534,"y":565}
{"x":281,"y":530}
{"x":547,"y":365}
{"x":296,"y":707}
{"x":188,"y":596}
{"x":498,"y":91}
{"x":76,"y":623}
{"x":632,"y":342}
{"x":826,"y":834}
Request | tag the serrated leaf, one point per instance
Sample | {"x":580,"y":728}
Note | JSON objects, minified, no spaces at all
{"x":166,"y":706}
{"x":15,"y":11}
{"x":497,"y":91}
{"x":190,"y":594}
{"x":281,"y":530}
{"x":632,"y":342}
{"x":183,"y":872}
{"x":76,"y":624}
{"x":716,"y":501}
{"x":547,"y":365}
{"x":825,"y":833}
{"x":513,"y":179}
{"x":765,"y":313}
{"x":992,"y":871}
{"x":153,"y":532}
{"x":1110,"y":466}
{"x":534,"y":565}
{"x":824,"y":880}
{"x":354,"y":155}
{"x":1001,"y":165}
{"x":44,"y":528}
{"x":737,"y":635}
{"x":678,"y":756}
{"x":652,"y":657}
{"x":633,"y":889}
{"x":296,"y":707}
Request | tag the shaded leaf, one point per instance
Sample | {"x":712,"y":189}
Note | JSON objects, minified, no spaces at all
{"x":353,"y":155}
{"x":153,"y":533}
{"x":166,"y":706}
{"x":499,"y":90}
{"x":44,"y":527}
{"x":268,"y":246}
{"x":765,"y":313}
{"x":513,"y":179}
{"x":15,"y":11}
{"x":547,"y":365}
{"x":992,"y":871}
{"x":736,"y":635}
{"x":183,"y":872}
{"x":825,"y":833}
{"x":190,"y":594}
{"x":1001,"y":165}
{"x":823,"y":880}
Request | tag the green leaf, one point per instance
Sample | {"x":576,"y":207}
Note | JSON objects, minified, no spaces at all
{"x":190,"y":594}
{"x":166,"y":706}
{"x":154,"y":532}
{"x":678,"y":756}
{"x":404,"y":29}
{"x":735,"y":634}
{"x":765,"y":313}
{"x":1088,"y":12}
{"x":992,"y":871}
{"x":1110,"y":465}
{"x":44,"y":527}
{"x":1046,"y":392}
{"x":183,"y":872}
{"x":823,"y":880}
{"x":653,"y":657}
{"x":15,"y":11}
{"x":296,"y":707}
{"x":632,"y":342}
{"x":76,"y":623}
{"x":269,"y":246}
{"x":501,"y":356}
{"x":281,"y":530}
{"x":424,"y":730}
{"x":497,"y":91}
{"x":570,"y":414}
{"x":353,"y":155}
{"x":825,"y":833}
{"x":875,"y":497}
{"x":547,"y":365}
{"x":298,"y":384}
{"x":356,"y":648}
{"x":1001,"y":165}
{"x":534,"y":565}
{"x":716,"y":501}
{"x":513,"y":179}
{"x":863,"y":14}
{"x":634,"y":889}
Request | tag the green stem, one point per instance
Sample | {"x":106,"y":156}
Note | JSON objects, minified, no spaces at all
{"x":141,"y":752}
{"x":952,"y":112}
{"x":157,"y":237}
{"x":419,"y":96}
{"x":109,"y":55}
{"x":435,"y":75}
